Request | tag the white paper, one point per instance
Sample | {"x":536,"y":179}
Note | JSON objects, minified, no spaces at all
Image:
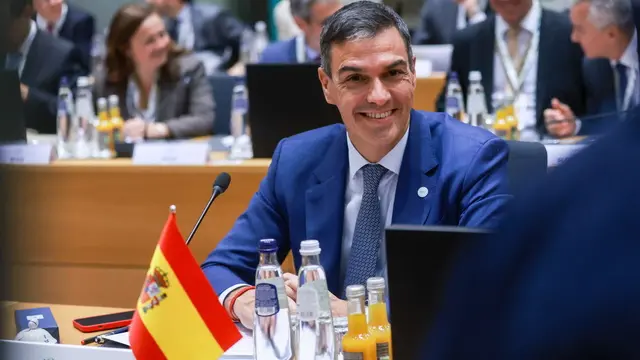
{"x":171,"y":153}
{"x":32,"y":154}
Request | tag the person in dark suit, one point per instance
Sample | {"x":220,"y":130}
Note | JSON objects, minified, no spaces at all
{"x":42,"y":60}
{"x":526,"y":57}
{"x":341,"y":184}
{"x":164,"y":91}
{"x":440,"y":19}
{"x":606,"y":32}
{"x":206,"y":29}
{"x":560,"y":279}
{"x":309,"y":15}
{"x":68,"y":22}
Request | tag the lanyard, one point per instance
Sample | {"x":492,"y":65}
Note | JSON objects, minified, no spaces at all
{"x":133,"y":100}
{"x":514,"y":77}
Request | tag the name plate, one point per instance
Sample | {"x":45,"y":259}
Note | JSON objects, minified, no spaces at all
{"x":27,"y":154}
{"x":559,"y":153}
{"x":171,"y":153}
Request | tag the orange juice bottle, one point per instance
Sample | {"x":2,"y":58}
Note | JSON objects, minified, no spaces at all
{"x":379,"y":325}
{"x":105,"y":130}
{"x":357,"y":343}
{"x":116,"y":119}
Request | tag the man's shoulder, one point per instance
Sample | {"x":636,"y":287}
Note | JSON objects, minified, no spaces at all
{"x":452,"y":132}
{"x":53,"y":45}
{"x":470,"y":33}
{"x":76,"y":13}
{"x":208,"y":10}
{"x":309,"y":146}
{"x":277,"y":50}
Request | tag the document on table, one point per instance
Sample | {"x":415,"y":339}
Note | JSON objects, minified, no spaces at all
{"x":243,"y":348}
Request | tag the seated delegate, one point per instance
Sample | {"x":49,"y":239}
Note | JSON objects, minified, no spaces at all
{"x":164,"y":91}
{"x":342,"y":184}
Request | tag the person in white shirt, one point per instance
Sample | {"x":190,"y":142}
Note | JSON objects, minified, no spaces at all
{"x":604,"y":29}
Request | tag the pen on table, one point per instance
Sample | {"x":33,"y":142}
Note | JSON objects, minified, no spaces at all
{"x":98,"y":338}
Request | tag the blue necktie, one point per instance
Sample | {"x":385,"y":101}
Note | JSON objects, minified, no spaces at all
{"x":623,"y":80}
{"x":368,"y":231}
{"x":13,"y":61}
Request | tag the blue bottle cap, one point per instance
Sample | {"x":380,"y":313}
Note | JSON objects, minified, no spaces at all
{"x":268,"y":245}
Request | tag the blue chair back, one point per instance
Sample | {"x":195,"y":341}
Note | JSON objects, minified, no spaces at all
{"x":527,"y":165}
{"x":222,"y":86}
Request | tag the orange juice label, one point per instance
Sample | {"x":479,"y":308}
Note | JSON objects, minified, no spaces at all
{"x":503,"y":112}
{"x":382,"y":351}
{"x":347,"y":355}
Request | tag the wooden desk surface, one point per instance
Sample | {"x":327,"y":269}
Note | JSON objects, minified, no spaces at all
{"x":64,"y":315}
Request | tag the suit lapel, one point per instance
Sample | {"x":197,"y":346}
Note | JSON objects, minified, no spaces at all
{"x":484,"y":51}
{"x":166,"y":100}
{"x":417,"y":172}
{"x":33,"y":65}
{"x":324,"y":207}
{"x":545,"y":61}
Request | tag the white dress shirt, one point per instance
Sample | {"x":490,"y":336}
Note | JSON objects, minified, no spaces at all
{"x":353,"y":198}
{"x":525,"y":103}
{"x":43,"y":24}
{"x":186,"y":33}
{"x":26,"y":46}
{"x":629,"y":59}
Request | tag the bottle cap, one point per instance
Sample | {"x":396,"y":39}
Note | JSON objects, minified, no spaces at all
{"x":475,"y":75}
{"x":375,"y":283}
{"x":64,"y":81}
{"x":102,"y":102}
{"x":261,"y":26}
{"x":309,"y":247}
{"x":453,"y":75}
{"x":355,"y":291}
{"x":83,"y":81}
{"x":113,"y":99}
{"x":268,"y":245}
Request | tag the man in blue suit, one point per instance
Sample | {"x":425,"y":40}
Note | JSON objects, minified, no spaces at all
{"x":606,"y":32}
{"x":560,"y":281}
{"x":69,"y":22}
{"x":309,"y":15}
{"x":342,"y":184}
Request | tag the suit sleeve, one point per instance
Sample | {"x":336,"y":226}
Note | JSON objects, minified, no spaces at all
{"x":485,"y":187}
{"x":199,"y":120}
{"x":229,"y":32}
{"x":83,"y":39}
{"x":235,"y":259}
{"x":423,"y":35}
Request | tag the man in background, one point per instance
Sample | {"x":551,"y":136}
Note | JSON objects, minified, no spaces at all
{"x":440,"y":19}
{"x":209,"y":30}
{"x":604,"y":29}
{"x":41,"y":61}
{"x":69,"y":22}
{"x":309,"y":15}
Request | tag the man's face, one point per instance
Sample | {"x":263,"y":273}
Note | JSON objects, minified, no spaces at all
{"x":595,"y":42}
{"x":372,"y":85}
{"x":313,"y":27}
{"x":51,"y":10}
{"x":511,"y":11}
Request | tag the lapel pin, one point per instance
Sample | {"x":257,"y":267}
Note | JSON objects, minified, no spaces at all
{"x":423,"y":191}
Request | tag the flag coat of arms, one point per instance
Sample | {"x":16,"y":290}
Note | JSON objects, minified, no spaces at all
{"x":178,"y":315}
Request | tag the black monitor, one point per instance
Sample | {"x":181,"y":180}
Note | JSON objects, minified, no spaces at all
{"x":419,"y":260}
{"x":12,"y":122}
{"x":284,"y":100}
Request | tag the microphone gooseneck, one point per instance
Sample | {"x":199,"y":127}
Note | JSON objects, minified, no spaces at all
{"x":219,"y":186}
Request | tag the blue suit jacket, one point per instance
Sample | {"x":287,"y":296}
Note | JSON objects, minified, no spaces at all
{"x":561,"y":280}
{"x":303,"y":194}
{"x":601,"y":97}
{"x":281,"y":52}
{"x":79,"y":28}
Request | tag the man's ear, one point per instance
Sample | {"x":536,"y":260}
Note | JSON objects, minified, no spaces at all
{"x":325,"y":79}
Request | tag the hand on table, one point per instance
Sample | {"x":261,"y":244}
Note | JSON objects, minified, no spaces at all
{"x":559,"y":120}
{"x":338,"y":306}
{"x":134,"y":129}
{"x":245,"y":307}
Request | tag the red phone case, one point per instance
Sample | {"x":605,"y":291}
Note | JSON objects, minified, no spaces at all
{"x":101,"y":326}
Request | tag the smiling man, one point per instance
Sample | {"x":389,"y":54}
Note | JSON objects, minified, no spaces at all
{"x":342,"y":184}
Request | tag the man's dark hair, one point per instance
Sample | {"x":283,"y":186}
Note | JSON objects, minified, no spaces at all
{"x":360,"y":20}
{"x":16,"y":7}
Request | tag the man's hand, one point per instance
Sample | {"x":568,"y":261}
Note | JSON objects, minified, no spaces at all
{"x":24,"y":91}
{"x":471,"y":7}
{"x":134,"y":129}
{"x":560,"y":120}
{"x":244,"y":307}
{"x":338,"y":306}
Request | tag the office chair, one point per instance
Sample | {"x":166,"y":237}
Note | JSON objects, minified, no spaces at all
{"x":527,"y":165}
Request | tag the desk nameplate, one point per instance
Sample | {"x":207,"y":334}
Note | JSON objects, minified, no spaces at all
{"x":171,"y":153}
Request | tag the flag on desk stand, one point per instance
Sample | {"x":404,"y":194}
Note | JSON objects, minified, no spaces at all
{"x":178,"y":316}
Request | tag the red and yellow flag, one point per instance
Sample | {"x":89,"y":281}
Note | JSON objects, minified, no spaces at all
{"x":178,"y":315}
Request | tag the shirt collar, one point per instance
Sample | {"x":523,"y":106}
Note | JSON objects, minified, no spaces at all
{"x":629,"y":57}
{"x":392,"y":161}
{"x":42,"y":22}
{"x":531,"y":21}
{"x":184,"y":16}
{"x":26,"y":44}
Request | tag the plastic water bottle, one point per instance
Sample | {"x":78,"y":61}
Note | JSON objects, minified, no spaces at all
{"x":65,"y":121}
{"x":476,"y":102}
{"x":260,"y":41}
{"x":316,"y":339}
{"x":272,"y":335}
{"x":242,"y":147}
{"x":454,"y":103}
{"x":87,"y":143}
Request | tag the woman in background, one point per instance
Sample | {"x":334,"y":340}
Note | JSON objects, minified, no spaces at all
{"x":164,"y":91}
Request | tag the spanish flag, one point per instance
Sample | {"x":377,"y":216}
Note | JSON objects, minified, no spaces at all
{"x":178,"y":315}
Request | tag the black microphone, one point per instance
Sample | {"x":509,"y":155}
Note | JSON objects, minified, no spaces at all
{"x":219,"y":186}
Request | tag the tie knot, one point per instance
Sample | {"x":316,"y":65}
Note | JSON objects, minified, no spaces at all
{"x":621,"y":67}
{"x":372,"y":174}
{"x":513,"y":32}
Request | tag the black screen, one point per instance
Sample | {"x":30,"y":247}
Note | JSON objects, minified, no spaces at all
{"x":104,"y":319}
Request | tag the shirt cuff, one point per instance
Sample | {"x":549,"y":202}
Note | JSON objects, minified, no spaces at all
{"x":478,"y":17}
{"x":578,"y":127}
{"x":226,"y":293}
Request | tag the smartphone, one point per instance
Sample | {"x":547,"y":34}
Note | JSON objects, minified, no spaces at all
{"x":104,"y":322}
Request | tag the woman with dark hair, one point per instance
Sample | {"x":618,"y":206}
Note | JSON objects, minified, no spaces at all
{"x":164,"y":91}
